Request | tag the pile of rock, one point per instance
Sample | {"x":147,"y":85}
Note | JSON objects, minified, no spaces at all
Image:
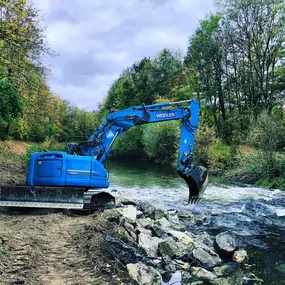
{"x":154,"y":246}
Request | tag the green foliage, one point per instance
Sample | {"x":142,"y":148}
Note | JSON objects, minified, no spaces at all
{"x":236,"y":59}
{"x":211,"y":152}
{"x":268,"y":131}
{"x":221,"y":156}
{"x":205,"y":139}
{"x":48,"y":145}
{"x":161,"y":141}
{"x":262,"y":169}
{"x":129,"y":144}
{"x":10,"y":106}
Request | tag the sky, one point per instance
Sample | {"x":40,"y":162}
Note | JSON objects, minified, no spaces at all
{"x":95,"y":40}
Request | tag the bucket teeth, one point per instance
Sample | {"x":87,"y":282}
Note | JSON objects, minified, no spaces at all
{"x":194,"y":200}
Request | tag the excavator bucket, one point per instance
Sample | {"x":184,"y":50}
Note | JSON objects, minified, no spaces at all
{"x":41,"y":197}
{"x":196,"y":178}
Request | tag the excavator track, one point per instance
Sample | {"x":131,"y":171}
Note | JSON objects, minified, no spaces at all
{"x":42,"y":197}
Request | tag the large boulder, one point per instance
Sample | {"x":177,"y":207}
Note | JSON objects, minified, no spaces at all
{"x":116,"y":212}
{"x":158,"y":214}
{"x":143,"y":274}
{"x":183,"y":237}
{"x":205,"y":256}
{"x":125,"y":236}
{"x":149,"y":244}
{"x":158,"y":231}
{"x":164,"y":224}
{"x":130,"y":213}
{"x":146,"y":222}
{"x":125,"y":252}
{"x":147,"y":209}
{"x":226,"y":243}
{"x":167,"y":264}
{"x":168,"y":247}
{"x":175,"y":249}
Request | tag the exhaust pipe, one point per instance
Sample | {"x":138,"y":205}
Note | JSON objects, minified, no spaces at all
{"x":197,"y":179}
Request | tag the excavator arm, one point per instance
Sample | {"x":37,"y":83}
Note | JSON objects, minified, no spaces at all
{"x":100,"y":142}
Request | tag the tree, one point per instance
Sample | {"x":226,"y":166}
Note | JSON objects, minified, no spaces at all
{"x":22,"y":41}
{"x":10,"y":106}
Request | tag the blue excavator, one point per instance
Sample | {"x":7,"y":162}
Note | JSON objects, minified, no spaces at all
{"x":74,"y":180}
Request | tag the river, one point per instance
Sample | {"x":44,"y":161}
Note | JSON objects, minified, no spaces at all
{"x":255,"y":215}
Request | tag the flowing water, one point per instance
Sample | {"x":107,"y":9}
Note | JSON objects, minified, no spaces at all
{"x":255,"y":215}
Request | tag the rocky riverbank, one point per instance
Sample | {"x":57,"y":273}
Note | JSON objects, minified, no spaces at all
{"x":154,"y":247}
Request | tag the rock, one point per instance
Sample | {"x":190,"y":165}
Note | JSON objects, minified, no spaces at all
{"x":125,"y":252}
{"x":226,"y":270}
{"x":130,"y":213}
{"x":163,"y":223}
{"x":221,"y":281}
{"x":174,"y":219}
{"x":125,"y":236}
{"x":237,"y":277}
{"x":167,"y":264}
{"x":189,"y":279}
{"x":143,"y":223}
{"x":200,"y":220}
{"x":169,"y":278}
{"x":181,"y":265}
{"x":168,"y":247}
{"x":143,"y":274}
{"x":123,"y":201}
{"x":149,"y":244}
{"x":146,"y":208}
{"x":129,"y":227}
{"x":139,"y":230}
{"x":131,"y":230}
{"x":114,"y":219}
{"x":183,"y":237}
{"x":159,"y":213}
{"x":158,"y":232}
{"x":174,"y":249}
{"x":116,"y":212}
{"x":205,"y":238}
{"x":139,"y":214}
{"x":176,"y":224}
{"x":240,"y":256}
{"x":202,"y":273}
{"x":226,"y":243}
{"x":185,"y":214}
{"x":204,"y":255}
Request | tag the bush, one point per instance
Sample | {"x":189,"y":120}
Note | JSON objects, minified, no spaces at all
{"x":212,"y":152}
{"x":47,"y":145}
{"x":129,"y":144}
{"x":161,"y":141}
{"x":205,"y":139}
{"x":268,"y":131}
{"x":263,"y":169}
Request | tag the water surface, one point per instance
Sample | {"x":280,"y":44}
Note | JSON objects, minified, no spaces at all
{"x":256,"y":215}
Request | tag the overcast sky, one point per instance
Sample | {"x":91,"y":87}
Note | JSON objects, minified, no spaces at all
{"x":96,"y":39}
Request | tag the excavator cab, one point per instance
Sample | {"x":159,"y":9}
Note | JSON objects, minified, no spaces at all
{"x":197,"y":179}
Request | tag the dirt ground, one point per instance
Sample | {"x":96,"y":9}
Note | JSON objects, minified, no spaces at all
{"x":55,"y":249}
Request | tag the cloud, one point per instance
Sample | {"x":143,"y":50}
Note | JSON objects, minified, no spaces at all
{"x":97,"y":39}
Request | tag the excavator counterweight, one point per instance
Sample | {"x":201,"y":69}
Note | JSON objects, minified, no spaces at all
{"x":73,"y":180}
